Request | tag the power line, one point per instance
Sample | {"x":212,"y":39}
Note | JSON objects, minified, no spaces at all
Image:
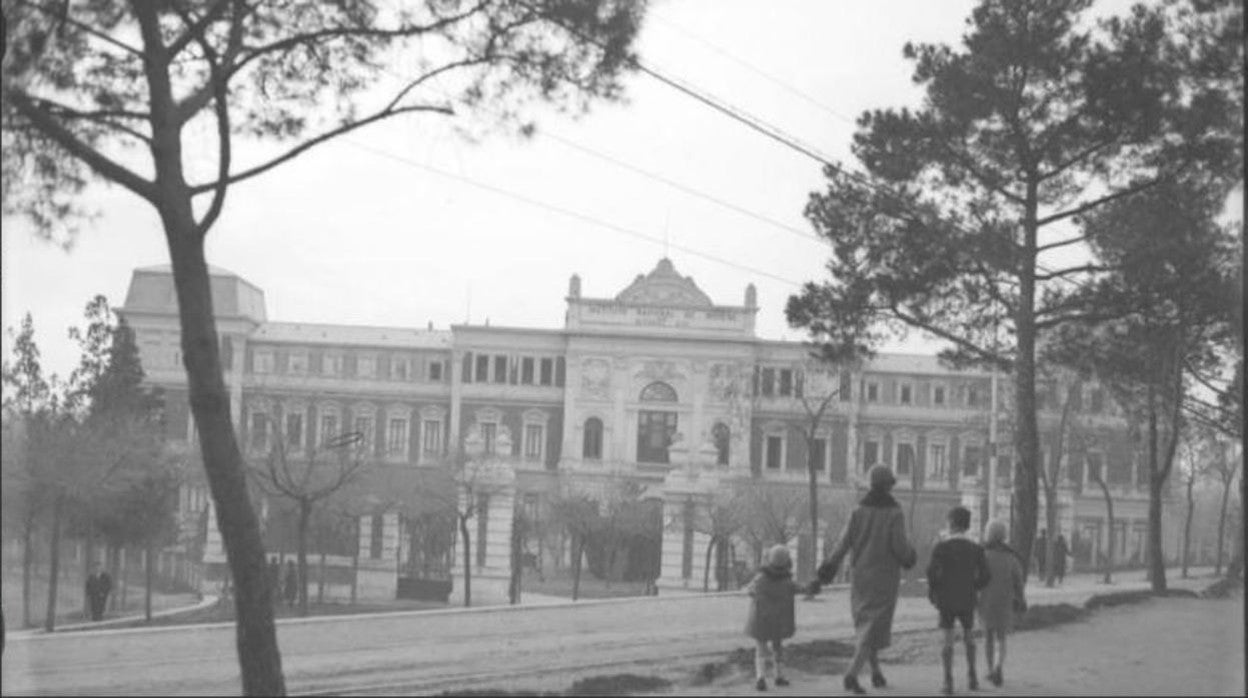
{"x":568,"y":212}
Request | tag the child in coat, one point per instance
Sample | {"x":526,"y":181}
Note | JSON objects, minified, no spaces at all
{"x":771,"y":619}
{"x":956,"y":573}
{"x":1001,"y":599}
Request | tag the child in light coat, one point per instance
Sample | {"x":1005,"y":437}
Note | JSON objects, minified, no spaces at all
{"x":1001,"y":599}
{"x":771,"y":620}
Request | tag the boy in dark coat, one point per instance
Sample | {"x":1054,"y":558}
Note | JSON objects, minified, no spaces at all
{"x":956,"y":573}
{"x":771,"y":618}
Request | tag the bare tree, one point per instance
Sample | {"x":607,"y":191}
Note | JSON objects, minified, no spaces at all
{"x":774,"y":514}
{"x":725,"y":515}
{"x":816,"y":406}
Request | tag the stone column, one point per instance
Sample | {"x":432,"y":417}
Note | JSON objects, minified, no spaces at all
{"x":693,"y":486}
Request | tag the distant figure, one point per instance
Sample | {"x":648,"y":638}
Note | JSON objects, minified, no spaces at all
{"x":771,"y":619}
{"x":1042,"y":550}
{"x":1001,"y":599}
{"x":99,"y":586}
{"x":876,"y":535}
{"x":292,"y":583}
{"x":275,"y":580}
{"x":1060,"y":552}
{"x":956,"y":573}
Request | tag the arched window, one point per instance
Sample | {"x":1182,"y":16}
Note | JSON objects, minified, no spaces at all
{"x":658,"y":392}
{"x":593,"y":439}
{"x":721,"y":436}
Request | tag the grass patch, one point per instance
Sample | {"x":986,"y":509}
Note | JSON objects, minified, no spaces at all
{"x":559,"y":583}
{"x":1223,"y":588}
{"x":616,"y":684}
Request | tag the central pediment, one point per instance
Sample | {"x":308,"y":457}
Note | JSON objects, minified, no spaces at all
{"x":664,"y":286}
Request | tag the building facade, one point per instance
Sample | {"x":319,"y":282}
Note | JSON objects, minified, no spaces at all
{"x":658,"y":387}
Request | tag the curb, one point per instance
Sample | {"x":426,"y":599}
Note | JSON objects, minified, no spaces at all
{"x":34,"y":633}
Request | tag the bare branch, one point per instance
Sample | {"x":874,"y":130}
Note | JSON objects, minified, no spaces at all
{"x":106,"y":167}
{"x":1072,"y":270}
{"x":434,"y":73}
{"x":1061,"y":243}
{"x":64,"y":17}
{"x":195,"y":27}
{"x":1087,"y":206}
{"x":1077,"y":158}
{"x":979,"y":351}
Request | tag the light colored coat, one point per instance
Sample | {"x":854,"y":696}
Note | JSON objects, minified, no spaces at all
{"x":1004,"y":592}
{"x":875,"y":539}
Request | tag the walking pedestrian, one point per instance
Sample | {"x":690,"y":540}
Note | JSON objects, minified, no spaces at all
{"x":771,"y":620}
{"x":1060,"y":552}
{"x":955,"y":574}
{"x":292,"y":583}
{"x":876,"y":537}
{"x":1001,"y":599}
{"x":1042,"y":551}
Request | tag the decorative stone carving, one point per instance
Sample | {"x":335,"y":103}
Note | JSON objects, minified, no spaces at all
{"x":664,"y":286}
{"x":665,"y":371}
{"x":596,"y":379}
{"x":723,"y":382}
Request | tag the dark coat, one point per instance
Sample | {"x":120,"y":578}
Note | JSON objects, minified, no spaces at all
{"x":875,"y":536}
{"x":956,"y":573}
{"x":1060,"y":552}
{"x":292,"y":583}
{"x":771,"y":604}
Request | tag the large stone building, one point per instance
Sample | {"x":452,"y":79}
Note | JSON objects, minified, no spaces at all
{"x":657,"y":386}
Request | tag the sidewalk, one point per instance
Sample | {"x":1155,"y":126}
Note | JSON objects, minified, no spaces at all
{"x":205,"y":602}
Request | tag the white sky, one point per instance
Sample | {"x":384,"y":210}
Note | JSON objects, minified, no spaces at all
{"x":355,"y":232}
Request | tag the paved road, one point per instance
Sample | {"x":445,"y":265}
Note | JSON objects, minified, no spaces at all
{"x":431,"y":650}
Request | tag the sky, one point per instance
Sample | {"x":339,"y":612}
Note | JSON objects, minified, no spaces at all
{"x":386,"y":226}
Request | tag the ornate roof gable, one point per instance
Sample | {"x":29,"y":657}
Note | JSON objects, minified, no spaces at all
{"x":664,"y":286}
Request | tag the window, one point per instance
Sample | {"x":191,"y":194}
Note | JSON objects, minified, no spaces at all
{"x":873,"y":392}
{"x":845,"y":390}
{"x":435,"y":371}
{"x":906,"y":394}
{"x":331,"y":364}
{"x":466,"y":370}
{"x":592,"y":446}
{"x":297,"y":363}
{"x":786,"y":382}
{"x":654,"y":434}
{"x":500,"y":369}
{"x":482,"y":373}
{"x":366,"y":366}
{"x":376,"y":536}
{"x":972,"y":396}
{"x":329,"y":427}
{"x":534,"y":440}
{"x":819,"y":454}
{"x":396,"y":437}
{"x":294,"y":431}
{"x":259,"y":431}
{"x":870,"y":454}
{"x":938,"y":395}
{"x":548,"y":371}
{"x":722,"y":438}
{"x":937,"y":469}
{"x":526,"y":370}
{"x":769,"y":382}
{"x":489,"y":436}
{"x":398,"y":368}
{"x":658,"y":392}
{"x":970,"y":462}
{"x":264,"y":361}
{"x":775,"y":452}
{"x":905,"y":460}
{"x":431,"y":437}
{"x":364,"y":425}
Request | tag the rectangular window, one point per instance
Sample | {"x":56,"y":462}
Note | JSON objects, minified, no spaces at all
{"x":364,"y":425}
{"x":264,"y":362}
{"x":435,"y":371}
{"x":398,"y":368}
{"x":294,"y":431}
{"x":500,"y":369}
{"x":331,"y":365}
{"x":489,"y":434}
{"x":548,"y":372}
{"x":906,"y":396}
{"x":972,"y":396}
{"x":938,"y":395}
{"x":873,"y":392}
{"x":786,"y":382}
{"x":769,"y":382}
{"x":870,"y":454}
{"x":329,"y":427}
{"x":396,"y":437}
{"x":534,"y":435}
{"x":298,"y":363}
{"x":775,"y":452}
{"x":526,"y":370}
{"x":482,"y":373}
{"x":467,"y":368}
{"x":655,"y":430}
{"x":819,"y":454}
{"x":970,"y":463}
{"x":845,"y":389}
{"x":376,"y":536}
{"x":431,"y":438}
{"x":259,"y":431}
{"x":936,"y":466}
{"x":483,"y":519}
{"x":905,"y":460}
{"x":366,"y":366}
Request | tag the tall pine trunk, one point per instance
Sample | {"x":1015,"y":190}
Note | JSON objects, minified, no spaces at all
{"x":706,"y":571}
{"x":1226,"y":498}
{"x":463,"y":533}
{"x":1026,"y":435}
{"x":149,"y":551}
{"x":1109,"y":514}
{"x":305,"y":516}
{"x":54,"y":556}
{"x":28,"y":565}
{"x":1187,"y":524}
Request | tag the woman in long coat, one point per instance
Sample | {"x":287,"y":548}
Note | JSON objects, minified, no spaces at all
{"x":876,"y":537}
